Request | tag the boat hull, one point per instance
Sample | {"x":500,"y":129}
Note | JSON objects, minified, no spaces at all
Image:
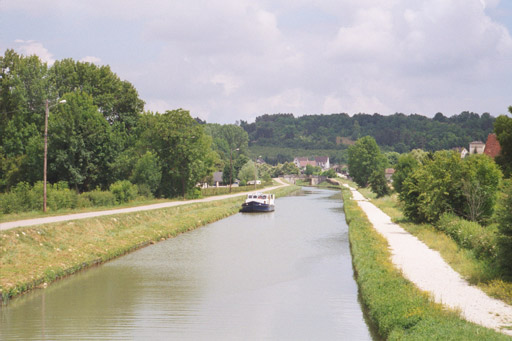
{"x":256,"y":207}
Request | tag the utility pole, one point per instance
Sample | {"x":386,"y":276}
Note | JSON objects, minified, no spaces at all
{"x":45,"y":153}
{"x":46,"y":113}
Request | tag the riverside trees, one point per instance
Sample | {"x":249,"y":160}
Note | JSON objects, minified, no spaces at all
{"x":99,"y":137}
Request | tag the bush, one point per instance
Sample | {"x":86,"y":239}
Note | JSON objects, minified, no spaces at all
{"x":379,"y":184}
{"x":123,"y":191}
{"x":470,"y":235}
{"x":504,"y":219}
{"x":99,"y":198}
{"x":59,"y":196}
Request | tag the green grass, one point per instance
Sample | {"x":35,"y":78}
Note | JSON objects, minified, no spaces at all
{"x":32,"y":256}
{"x":397,"y":308}
{"x":477,"y":271}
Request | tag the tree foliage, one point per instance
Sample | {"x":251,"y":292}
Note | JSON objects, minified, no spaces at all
{"x":364,"y":158}
{"x":446,"y":183}
{"x":400,"y":133}
{"x":504,"y":218}
{"x":248,"y":172}
{"x":503,"y":130}
{"x":378,"y":183}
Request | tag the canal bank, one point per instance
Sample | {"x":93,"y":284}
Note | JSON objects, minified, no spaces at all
{"x":32,"y":257}
{"x":284,"y":275}
{"x":397,"y":307}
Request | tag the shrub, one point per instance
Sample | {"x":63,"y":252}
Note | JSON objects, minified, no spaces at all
{"x":504,"y":219}
{"x":470,"y":235}
{"x":123,"y":191}
{"x":99,"y":198}
{"x":60,"y":196}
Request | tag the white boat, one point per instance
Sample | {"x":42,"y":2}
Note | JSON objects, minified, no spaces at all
{"x":258,"y":202}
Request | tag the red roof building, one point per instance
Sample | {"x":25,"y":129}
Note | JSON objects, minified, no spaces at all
{"x":492,"y":146}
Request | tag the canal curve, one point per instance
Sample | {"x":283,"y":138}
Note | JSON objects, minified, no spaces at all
{"x":280,"y":275}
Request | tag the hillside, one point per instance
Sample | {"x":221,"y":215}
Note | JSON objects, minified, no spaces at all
{"x":398,"y":132}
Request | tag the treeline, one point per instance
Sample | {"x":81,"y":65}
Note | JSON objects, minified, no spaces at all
{"x":398,"y":132}
{"x":98,"y":132}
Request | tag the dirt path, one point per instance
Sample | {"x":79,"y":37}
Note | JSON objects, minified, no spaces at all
{"x":429,"y":272}
{"x":46,"y":220}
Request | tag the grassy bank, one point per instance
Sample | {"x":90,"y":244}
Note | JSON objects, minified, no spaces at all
{"x":33,"y":256}
{"x":395,"y":305}
{"x":480,"y":271}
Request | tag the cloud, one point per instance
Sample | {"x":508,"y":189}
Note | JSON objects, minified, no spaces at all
{"x":241,"y":58}
{"x":30,"y":47}
{"x":91,"y":59}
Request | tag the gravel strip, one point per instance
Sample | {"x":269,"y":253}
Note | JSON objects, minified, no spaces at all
{"x":429,"y":272}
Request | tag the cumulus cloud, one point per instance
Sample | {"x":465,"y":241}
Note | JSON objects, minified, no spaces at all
{"x":244,"y":58}
{"x":30,"y":47}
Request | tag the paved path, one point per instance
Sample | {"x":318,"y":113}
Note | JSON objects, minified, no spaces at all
{"x":46,"y":220}
{"x":429,"y":272}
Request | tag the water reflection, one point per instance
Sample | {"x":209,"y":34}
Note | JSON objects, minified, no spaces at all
{"x":280,"y":275}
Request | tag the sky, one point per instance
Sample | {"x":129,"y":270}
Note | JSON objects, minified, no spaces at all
{"x":231,"y":60}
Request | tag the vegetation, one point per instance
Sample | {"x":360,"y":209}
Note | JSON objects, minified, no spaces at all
{"x":444,"y":182}
{"x":504,"y":218}
{"x":503,"y":130}
{"x":398,"y":309}
{"x":365,"y":158}
{"x":275,"y":136}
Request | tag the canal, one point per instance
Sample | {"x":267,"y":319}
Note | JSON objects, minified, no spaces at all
{"x":280,"y":275}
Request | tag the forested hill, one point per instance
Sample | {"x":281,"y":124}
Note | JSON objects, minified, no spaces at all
{"x":397,"y":132}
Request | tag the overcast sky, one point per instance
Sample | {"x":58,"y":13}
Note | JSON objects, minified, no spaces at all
{"x":237,"y":59}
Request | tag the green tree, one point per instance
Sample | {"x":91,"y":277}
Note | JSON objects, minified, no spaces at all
{"x":378,"y":183}
{"x":117,"y":100}
{"x":79,"y":144}
{"x":147,"y":171}
{"x":434,"y":188}
{"x":406,"y":164}
{"x":289,"y":168}
{"x":480,"y":184}
{"x":503,"y":130}
{"x":183,"y":148}
{"x":364,"y":157}
{"x":248,"y":172}
{"x":309,"y":170}
{"x":504,"y":219}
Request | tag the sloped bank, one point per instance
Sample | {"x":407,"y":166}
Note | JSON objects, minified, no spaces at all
{"x":397,"y":308}
{"x":35,"y":256}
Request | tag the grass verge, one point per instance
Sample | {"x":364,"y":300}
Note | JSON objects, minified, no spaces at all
{"x":397,"y":308}
{"x":33,"y":256}
{"x":478,"y":271}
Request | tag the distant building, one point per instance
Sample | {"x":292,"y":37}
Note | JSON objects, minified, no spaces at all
{"x":323,"y":161}
{"x":462,"y":151}
{"x":319,"y":161}
{"x":260,"y":161}
{"x":217,"y":179}
{"x":492,"y":146}
{"x":476,"y":147}
{"x":389,"y":173}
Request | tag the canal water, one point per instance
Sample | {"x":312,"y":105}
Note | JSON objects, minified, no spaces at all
{"x":285,"y":275}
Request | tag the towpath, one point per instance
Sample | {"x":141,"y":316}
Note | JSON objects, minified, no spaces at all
{"x":75,"y":216}
{"x":429,"y":272}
